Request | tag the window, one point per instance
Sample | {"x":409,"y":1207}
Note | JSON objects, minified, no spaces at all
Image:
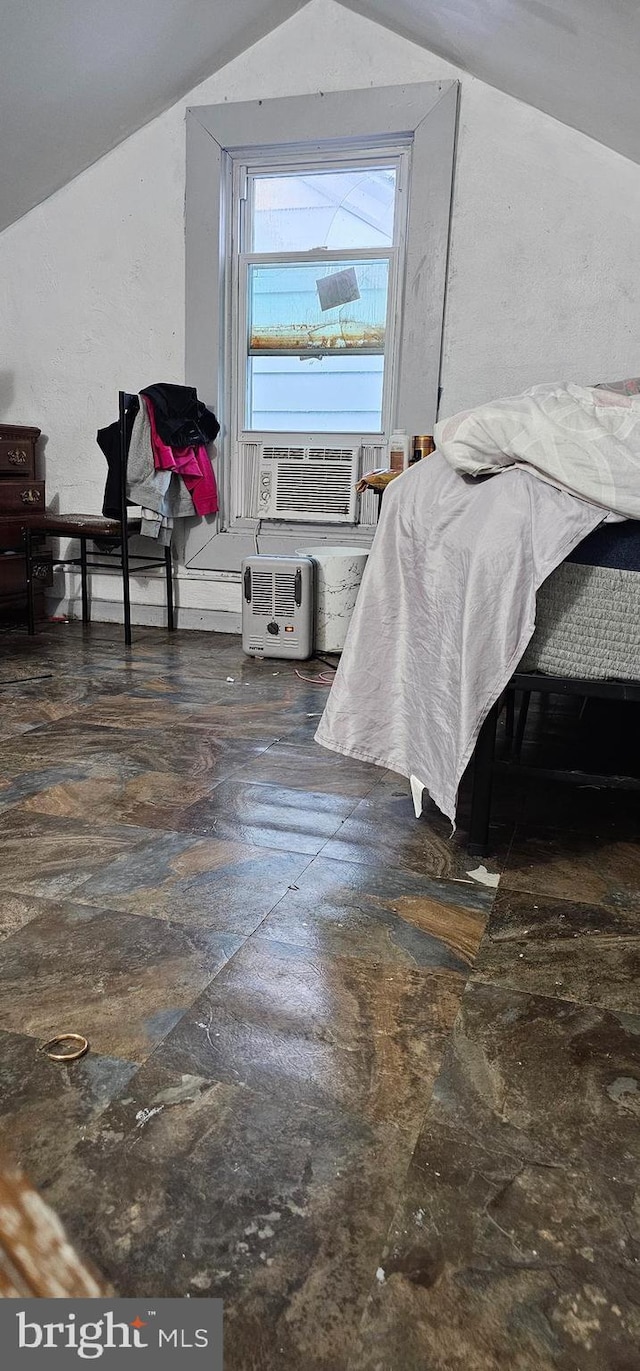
{"x":317,"y":283}
{"x":316,"y":238}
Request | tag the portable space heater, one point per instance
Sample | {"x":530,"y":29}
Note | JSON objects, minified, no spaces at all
{"x":277,"y":606}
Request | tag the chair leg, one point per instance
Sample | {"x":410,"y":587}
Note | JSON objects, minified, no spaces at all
{"x":28,"y":556}
{"x":126,"y":588}
{"x":84,"y":580}
{"x":168,"y":564}
{"x":482,"y":785}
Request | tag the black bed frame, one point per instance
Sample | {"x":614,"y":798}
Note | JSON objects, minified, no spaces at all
{"x":484,"y":756}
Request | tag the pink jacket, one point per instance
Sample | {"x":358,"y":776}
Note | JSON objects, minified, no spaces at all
{"x":192,"y":464}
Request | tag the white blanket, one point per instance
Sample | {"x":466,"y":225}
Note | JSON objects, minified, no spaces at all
{"x":447,"y":604}
{"x":584,"y":439}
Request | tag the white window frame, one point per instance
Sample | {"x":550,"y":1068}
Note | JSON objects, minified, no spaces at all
{"x":416,"y":122}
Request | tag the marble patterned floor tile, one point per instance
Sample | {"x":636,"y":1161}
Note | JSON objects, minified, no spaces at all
{"x":180,"y":686}
{"x":384,"y":831}
{"x":19,"y":668}
{"x":517,"y":914}
{"x":334,"y":1032}
{"x":121,"y":980}
{"x":310,"y":767}
{"x":46,"y":1106}
{"x":252,"y":711}
{"x":45,"y":856}
{"x":187,"y":1187}
{"x":29,"y":704}
{"x":15,"y":729}
{"x":150,"y":799}
{"x":576,"y":866}
{"x":16,"y":911}
{"x":231,"y":710}
{"x":67,"y":752}
{"x":129,"y":711}
{"x":578,"y":953}
{"x":214,"y":884}
{"x":267,"y":815}
{"x":557,"y":1083}
{"x":493,"y":1261}
{"x":187,"y":751}
{"x":381,"y":914}
{"x":264,"y":815}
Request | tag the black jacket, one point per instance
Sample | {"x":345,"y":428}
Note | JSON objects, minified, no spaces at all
{"x":181,"y":418}
{"x":109,"y":443}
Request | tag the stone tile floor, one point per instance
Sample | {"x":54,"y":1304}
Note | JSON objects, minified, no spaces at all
{"x":390,"y":1115}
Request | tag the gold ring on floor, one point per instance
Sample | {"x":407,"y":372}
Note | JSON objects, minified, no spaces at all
{"x":82,"y":1047}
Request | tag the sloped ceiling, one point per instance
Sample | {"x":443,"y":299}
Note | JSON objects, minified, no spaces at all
{"x":578,"y":60}
{"x":78,"y":76}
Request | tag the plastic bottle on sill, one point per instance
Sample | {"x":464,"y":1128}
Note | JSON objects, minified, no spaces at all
{"x":399,"y":450}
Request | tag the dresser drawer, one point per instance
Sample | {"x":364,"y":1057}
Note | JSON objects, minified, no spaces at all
{"x":17,"y":458}
{"x":11,"y":526}
{"x":13,"y":572}
{"x":18,"y":450}
{"x":21,"y":497}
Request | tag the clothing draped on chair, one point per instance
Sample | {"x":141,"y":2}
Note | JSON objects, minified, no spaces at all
{"x":169,"y":471}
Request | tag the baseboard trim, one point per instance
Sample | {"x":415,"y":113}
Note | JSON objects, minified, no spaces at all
{"x":152,"y":616}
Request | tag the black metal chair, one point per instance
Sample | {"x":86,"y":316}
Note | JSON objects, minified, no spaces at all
{"x":94,"y":528}
{"x":484,"y":756}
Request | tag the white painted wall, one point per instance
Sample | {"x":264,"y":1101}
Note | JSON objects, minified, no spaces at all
{"x":544,"y":275}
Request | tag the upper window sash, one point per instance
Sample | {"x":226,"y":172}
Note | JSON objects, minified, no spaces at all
{"x":320,"y":169}
{"x":246,"y":170}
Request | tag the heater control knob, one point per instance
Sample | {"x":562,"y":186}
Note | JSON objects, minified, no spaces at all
{"x":273,"y":627}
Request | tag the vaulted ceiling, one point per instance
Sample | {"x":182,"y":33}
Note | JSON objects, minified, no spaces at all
{"x":78,"y":76}
{"x":578,"y":60}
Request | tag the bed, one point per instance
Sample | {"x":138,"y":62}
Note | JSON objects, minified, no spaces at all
{"x":487,"y":574}
{"x":586,"y":642}
{"x":588,"y":610}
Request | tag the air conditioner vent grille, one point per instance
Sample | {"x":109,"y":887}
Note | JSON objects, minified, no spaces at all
{"x":286,"y":453}
{"x":330,"y":454}
{"x":303,"y":487}
{"x":283,"y":454}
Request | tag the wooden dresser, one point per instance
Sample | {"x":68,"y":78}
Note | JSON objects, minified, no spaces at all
{"x":21,"y":494}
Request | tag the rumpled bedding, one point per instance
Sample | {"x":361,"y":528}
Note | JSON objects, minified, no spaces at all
{"x":583,"y":438}
{"x":447,"y":603}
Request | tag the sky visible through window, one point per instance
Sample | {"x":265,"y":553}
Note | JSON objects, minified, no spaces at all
{"x":312,"y":368}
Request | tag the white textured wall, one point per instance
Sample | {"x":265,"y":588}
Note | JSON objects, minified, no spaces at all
{"x":544,"y":276}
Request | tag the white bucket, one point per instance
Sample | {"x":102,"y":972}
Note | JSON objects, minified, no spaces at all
{"x":338,"y":573}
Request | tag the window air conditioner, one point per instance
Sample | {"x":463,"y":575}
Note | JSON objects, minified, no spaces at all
{"x":277,"y":606}
{"x":308,"y":483}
